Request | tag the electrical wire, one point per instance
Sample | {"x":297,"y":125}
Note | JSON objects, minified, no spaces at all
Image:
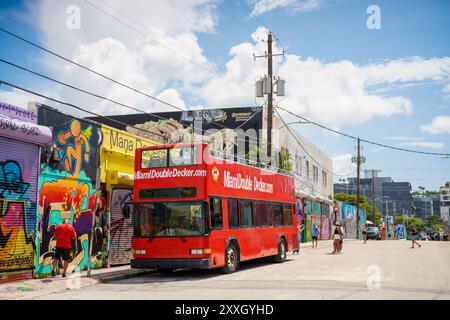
{"x":306,"y":151}
{"x":363,"y":140}
{"x":100,"y":74}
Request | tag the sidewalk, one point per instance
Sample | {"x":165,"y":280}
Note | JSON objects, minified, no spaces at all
{"x":28,"y":289}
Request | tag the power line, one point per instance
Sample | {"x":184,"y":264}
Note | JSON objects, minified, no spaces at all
{"x":301,"y":145}
{"x":144,"y":34}
{"x":102,"y":75}
{"x":110,"y":100}
{"x":73,"y":106}
{"x":364,"y":140}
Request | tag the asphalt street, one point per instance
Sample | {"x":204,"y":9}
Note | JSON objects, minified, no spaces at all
{"x":376,"y":270}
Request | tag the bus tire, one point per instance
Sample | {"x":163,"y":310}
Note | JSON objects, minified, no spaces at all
{"x":231,"y":259}
{"x":282,"y":249}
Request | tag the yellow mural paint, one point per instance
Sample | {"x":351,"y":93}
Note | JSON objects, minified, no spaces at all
{"x":117,"y":156}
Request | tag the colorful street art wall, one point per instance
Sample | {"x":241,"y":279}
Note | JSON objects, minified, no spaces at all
{"x":18,"y":184}
{"x":67,"y":191}
{"x":347,"y":214}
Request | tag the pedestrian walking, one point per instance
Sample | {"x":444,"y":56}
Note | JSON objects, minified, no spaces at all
{"x":64,"y":233}
{"x":300,"y":237}
{"x":413,"y":237}
{"x":337,"y":237}
{"x":315,"y":234}
{"x":364,"y":232}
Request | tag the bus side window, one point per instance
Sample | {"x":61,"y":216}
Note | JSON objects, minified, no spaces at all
{"x":233,"y":216}
{"x":245,"y":209}
{"x":270,"y":214}
{"x":263,"y":208}
{"x":277,"y":214}
{"x":287,"y":214}
{"x":256,"y":223}
{"x":216,"y":213}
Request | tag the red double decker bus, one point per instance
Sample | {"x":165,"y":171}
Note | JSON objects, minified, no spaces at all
{"x":192,"y":210}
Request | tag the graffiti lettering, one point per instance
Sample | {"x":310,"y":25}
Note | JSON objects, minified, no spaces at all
{"x":8,"y":124}
{"x":17,"y":113}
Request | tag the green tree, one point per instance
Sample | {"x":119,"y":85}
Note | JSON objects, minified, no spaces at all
{"x":435,"y":223}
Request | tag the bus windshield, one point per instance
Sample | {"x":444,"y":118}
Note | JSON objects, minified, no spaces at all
{"x":169,"y":219}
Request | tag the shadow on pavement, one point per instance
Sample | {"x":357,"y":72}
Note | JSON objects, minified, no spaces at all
{"x":194,"y":274}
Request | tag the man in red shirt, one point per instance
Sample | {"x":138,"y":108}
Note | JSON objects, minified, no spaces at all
{"x":64,"y":233}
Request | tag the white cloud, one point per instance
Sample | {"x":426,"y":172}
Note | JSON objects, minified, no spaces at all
{"x":336,"y":93}
{"x":404,"y":138}
{"x":166,"y":56}
{"x":412,"y":69}
{"x":173,"y":97}
{"x":439,"y":124}
{"x":342,"y":165}
{"x":426,"y":144}
{"x":264,"y":6}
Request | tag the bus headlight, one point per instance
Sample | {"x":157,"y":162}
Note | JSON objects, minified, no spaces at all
{"x":139,"y":252}
{"x":200,"y":251}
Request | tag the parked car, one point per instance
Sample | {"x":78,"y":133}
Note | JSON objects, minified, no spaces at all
{"x":373,"y":233}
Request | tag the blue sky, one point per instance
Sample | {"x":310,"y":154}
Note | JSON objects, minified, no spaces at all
{"x":383,"y":85}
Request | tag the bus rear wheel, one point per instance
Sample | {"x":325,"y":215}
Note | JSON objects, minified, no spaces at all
{"x":231,"y":259}
{"x":281,"y":256}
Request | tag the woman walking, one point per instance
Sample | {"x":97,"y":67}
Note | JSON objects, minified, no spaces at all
{"x":364,"y":232}
{"x":337,"y":238}
{"x":413,"y":237}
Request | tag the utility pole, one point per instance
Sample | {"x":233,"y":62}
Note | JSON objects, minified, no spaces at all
{"x":270,"y":98}
{"x":358,"y":165}
{"x":358,"y":160}
{"x":267,"y":83}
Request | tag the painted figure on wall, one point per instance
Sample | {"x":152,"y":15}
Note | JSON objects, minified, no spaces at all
{"x":74,"y":153}
{"x":67,"y":191}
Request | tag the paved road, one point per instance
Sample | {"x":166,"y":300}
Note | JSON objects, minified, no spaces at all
{"x":404,"y":273}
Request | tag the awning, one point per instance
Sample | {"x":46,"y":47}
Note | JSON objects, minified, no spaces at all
{"x":25,"y":131}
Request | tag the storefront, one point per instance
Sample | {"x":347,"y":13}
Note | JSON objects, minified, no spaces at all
{"x":117,"y":175}
{"x":21,"y":140}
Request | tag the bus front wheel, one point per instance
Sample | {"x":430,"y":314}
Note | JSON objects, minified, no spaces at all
{"x":281,"y":256}
{"x":231,"y":259}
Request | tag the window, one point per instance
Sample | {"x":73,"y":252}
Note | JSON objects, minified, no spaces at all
{"x":270,"y":215}
{"x":154,"y":158}
{"x":324,"y":178}
{"x":165,"y":219}
{"x":255,"y":214}
{"x":263,"y":212}
{"x":245,"y":210}
{"x":315,"y":173}
{"x":277,"y":214}
{"x":233,"y":216}
{"x":307,"y":168}
{"x":184,"y":156}
{"x":287,"y":214}
{"x":162,"y":158}
{"x":167,"y":193}
{"x":216,"y":213}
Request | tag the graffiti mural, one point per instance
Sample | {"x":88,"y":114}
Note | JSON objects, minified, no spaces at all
{"x":67,"y":191}
{"x":349,"y":220}
{"x":17,"y":209}
{"x":121,"y":226}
